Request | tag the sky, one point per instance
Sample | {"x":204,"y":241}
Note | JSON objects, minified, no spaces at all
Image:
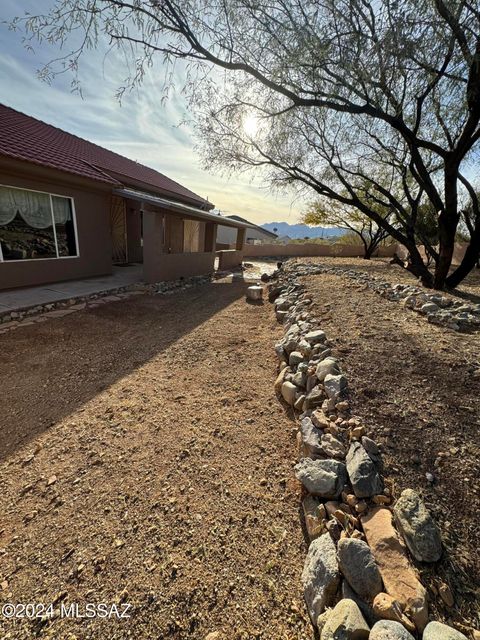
{"x":143,"y":127}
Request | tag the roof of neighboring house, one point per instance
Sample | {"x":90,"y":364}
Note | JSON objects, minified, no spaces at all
{"x":252,"y":225}
{"x":25,"y":138}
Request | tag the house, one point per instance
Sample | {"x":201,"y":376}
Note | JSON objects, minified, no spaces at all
{"x":254,"y":233}
{"x":71,"y":209}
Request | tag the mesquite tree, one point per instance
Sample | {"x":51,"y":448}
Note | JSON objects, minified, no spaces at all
{"x":400,"y":73}
{"x":350,"y":219}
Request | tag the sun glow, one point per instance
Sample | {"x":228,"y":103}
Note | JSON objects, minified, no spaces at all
{"x":250,"y":126}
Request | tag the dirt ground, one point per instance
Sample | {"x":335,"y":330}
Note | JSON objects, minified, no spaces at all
{"x":417,"y":386}
{"x":146,"y":461}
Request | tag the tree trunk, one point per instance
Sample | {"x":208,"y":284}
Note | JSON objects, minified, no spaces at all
{"x":447,"y":227}
{"x":470,"y":259}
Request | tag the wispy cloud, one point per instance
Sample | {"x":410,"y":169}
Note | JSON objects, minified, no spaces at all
{"x":142,"y":127}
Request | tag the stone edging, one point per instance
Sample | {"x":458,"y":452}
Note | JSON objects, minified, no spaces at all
{"x":439,"y":309}
{"x":357,"y":561}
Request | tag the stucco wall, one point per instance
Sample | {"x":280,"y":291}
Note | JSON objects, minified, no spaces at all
{"x":92,"y":210}
{"x":171,"y":266}
{"x":311,"y":249}
{"x":229,"y":259}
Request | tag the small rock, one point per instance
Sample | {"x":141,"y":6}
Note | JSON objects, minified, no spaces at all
{"x":446,"y":595}
{"x":387,"y":608}
{"x":51,"y":480}
{"x":314,"y":337}
{"x":289,"y":391}
{"x":315,"y":516}
{"x":417,"y":527}
{"x":363,"y":475}
{"x":327,"y":366}
{"x":345,"y":622}
{"x":320,"y":576}
{"x":295,"y":358}
{"x":332,"y":447}
{"x":439,"y":631}
{"x":335,"y":386}
{"x":323,"y":478}
{"x":389,"y":630}
{"x":358,"y":565}
{"x":314,"y":398}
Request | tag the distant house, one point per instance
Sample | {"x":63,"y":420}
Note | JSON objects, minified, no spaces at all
{"x":254,"y":234}
{"x":70,"y":209}
{"x":284,"y":239}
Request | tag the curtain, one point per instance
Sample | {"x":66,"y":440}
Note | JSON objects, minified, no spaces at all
{"x":34,"y":207}
{"x":61,"y":209}
{"x":191,"y":236}
{"x":8,"y":209}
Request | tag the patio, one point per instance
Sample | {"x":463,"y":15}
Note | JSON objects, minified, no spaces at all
{"x":17,"y":299}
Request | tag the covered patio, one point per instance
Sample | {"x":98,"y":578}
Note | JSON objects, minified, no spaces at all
{"x":171,"y":239}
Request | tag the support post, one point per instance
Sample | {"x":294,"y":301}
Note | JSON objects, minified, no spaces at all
{"x":240,"y":238}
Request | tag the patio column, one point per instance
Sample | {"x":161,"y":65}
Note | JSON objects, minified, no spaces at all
{"x":240,"y":238}
{"x":153,"y":245}
{"x":210,"y":237}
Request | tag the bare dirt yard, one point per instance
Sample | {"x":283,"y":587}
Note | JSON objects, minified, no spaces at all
{"x":146,"y":461}
{"x":418,"y":388}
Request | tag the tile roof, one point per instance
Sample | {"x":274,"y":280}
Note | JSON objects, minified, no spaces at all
{"x":25,"y":138}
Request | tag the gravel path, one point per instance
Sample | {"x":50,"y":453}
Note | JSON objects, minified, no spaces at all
{"x":145,"y":460}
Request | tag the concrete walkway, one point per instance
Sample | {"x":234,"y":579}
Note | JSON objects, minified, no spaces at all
{"x":17,"y":299}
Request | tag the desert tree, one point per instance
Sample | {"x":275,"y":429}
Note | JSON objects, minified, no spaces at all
{"x":361,"y":227}
{"x":408,"y":70}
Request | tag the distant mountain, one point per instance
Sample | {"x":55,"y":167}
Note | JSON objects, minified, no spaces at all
{"x":301,"y":230}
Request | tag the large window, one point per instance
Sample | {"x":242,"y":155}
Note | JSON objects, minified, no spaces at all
{"x":35,"y":225}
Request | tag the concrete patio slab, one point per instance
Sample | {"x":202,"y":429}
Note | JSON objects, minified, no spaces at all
{"x":17,"y":299}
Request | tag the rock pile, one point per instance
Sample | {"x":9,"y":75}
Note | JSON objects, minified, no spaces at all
{"x":358,"y":580}
{"x":439,"y":309}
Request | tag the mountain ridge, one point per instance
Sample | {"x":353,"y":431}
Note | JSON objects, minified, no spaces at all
{"x":296,"y":231}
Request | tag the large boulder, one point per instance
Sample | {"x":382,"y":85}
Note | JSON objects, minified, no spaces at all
{"x":419,"y":531}
{"x":389,"y":630}
{"x":323,"y":478}
{"x":399,"y":578}
{"x":345,"y":622}
{"x":335,"y":386}
{"x":358,"y":565}
{"x":363,"y":474}
{"x":439,"y":631}
{"x":320,"y":576}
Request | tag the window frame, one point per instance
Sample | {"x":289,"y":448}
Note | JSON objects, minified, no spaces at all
{"x":74,"y":218}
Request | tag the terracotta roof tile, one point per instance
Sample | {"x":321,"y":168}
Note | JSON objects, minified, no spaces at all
{"x":25,"y":138}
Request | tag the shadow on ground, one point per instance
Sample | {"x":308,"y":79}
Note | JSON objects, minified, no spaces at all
{"x":51,"y":369}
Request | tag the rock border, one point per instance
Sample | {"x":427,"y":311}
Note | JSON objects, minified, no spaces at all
{"x":360,"y":537}
{"x":438,"y":308}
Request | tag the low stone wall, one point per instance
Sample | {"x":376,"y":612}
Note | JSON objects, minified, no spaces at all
{"x":312,"y":250}
{"x":229,"y":259}
{"x":358,"y":581}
